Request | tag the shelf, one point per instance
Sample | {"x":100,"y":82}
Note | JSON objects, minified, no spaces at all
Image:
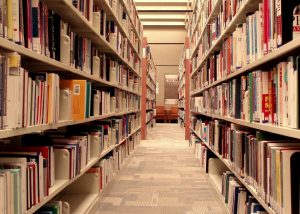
{"x":213,"y":184}
{"x":82,"y":26}
{"x":212,"y":15}
{"x":279,"y":130}
{"x":181,"y":97}
{"x":21,"y":131}
{"x":62,"y":184}
{"x":150,"y":120}
{"x":180,"y":118}
{"x":180,"y":87}
{"x":80,"y":203}
{"x":39,"y":128}
{"x":152,"y":89}
{"x":279,"y":53}
{"x":110,"y":13}
{"x":151,"y":78}
{"x":130,"y":19}
{"x":38,"y":62}
{"x":248,"y":6}
{"x":94,"y":118}
{"x":249,"y":188}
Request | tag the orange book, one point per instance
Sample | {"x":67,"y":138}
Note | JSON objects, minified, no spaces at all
{"x":78,"y":88}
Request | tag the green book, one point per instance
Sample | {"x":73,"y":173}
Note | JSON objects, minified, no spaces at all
{"x":88,"y":100}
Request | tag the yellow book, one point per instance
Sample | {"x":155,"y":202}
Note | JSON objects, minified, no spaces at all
{"x":10,"y":28}
{"x":78,"y":88}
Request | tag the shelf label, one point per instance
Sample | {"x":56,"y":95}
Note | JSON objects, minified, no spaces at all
{"x":144,"y":52}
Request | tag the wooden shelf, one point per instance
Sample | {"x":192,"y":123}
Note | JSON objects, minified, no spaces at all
{"x":237,"y":175}
{"x":110,"y":13}
{"x":280,"y":130}
{"x":280,"y":53}
{"x":82,"y":26}
{"x":62,"y":184}
{"x":248,"y":6}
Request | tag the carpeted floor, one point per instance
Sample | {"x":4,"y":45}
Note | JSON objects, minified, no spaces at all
{"x":161,"y":177}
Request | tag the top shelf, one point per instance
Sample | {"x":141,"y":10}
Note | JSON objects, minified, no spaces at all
{"x":130,"y":19}
{"x":83,"y":27}
{"x":212,"y":15}
{"x":240,"y":17}
{"x":109,"y":12}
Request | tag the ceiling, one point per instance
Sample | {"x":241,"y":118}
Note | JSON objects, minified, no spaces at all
{"x":163,"y":13}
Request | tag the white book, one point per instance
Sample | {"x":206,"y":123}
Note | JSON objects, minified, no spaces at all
{"x":3,"y":196}
{"x":285,"y":96}
{"x":29,"y":97}
{"x":65,"y":104}
{"x":96,"y":104}
{"x":293,"y":101}
{"x":22,"y":162}
{"x":13,"y":89}
{"x":15,"y":19}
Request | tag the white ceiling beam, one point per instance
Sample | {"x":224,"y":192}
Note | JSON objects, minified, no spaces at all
{"x":162,"y":23}
{"x":162,"y":8}
{"x":162,"y":16}
{"x":162,"y":1}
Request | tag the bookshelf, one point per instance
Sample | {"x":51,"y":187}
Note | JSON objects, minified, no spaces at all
{"x":115,"y":115}
{"x":148,"y":89}
{"x":225,"y":56}
{"x":184,"y":89}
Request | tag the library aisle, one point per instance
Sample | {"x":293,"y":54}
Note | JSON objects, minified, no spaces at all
{"x":162,"y":176}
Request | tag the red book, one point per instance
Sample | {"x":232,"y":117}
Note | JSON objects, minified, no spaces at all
{"x":265,"y":21}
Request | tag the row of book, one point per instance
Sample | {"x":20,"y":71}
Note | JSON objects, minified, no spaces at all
{"x":266,"y":162}
{"x":150,"y":94}
{"x":150,"y":83}
{"x":98,"y":177}
{"x":150,"y":104}
{"x":30,"y":166}
{"x":181,"y":114}
{"x":269,"y":97}
{"x":133,"y":13}
{"x":113,"y":34}
{"x":237,"y":197}
{"x":149,"y":116}
{"x":120,"y":12}
{"x":261,"y":33}
{"x":181,"y":103}
{"x":108,"y":69}
{"x":199,"y":18}
{"x":34,"y":26}
{"x":29,"y":99}
{"x":200,"y":150}
{"x":181,"y":92}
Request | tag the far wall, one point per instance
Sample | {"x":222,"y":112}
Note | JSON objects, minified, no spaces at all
{"x":166,"y":44}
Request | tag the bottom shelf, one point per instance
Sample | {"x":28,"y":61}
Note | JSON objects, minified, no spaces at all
{"x":80,"y":203}
{"x":216,"y":183}
{"x":238,"y":176}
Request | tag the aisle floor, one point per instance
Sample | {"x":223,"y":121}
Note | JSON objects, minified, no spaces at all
{"x":161,"y":177}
